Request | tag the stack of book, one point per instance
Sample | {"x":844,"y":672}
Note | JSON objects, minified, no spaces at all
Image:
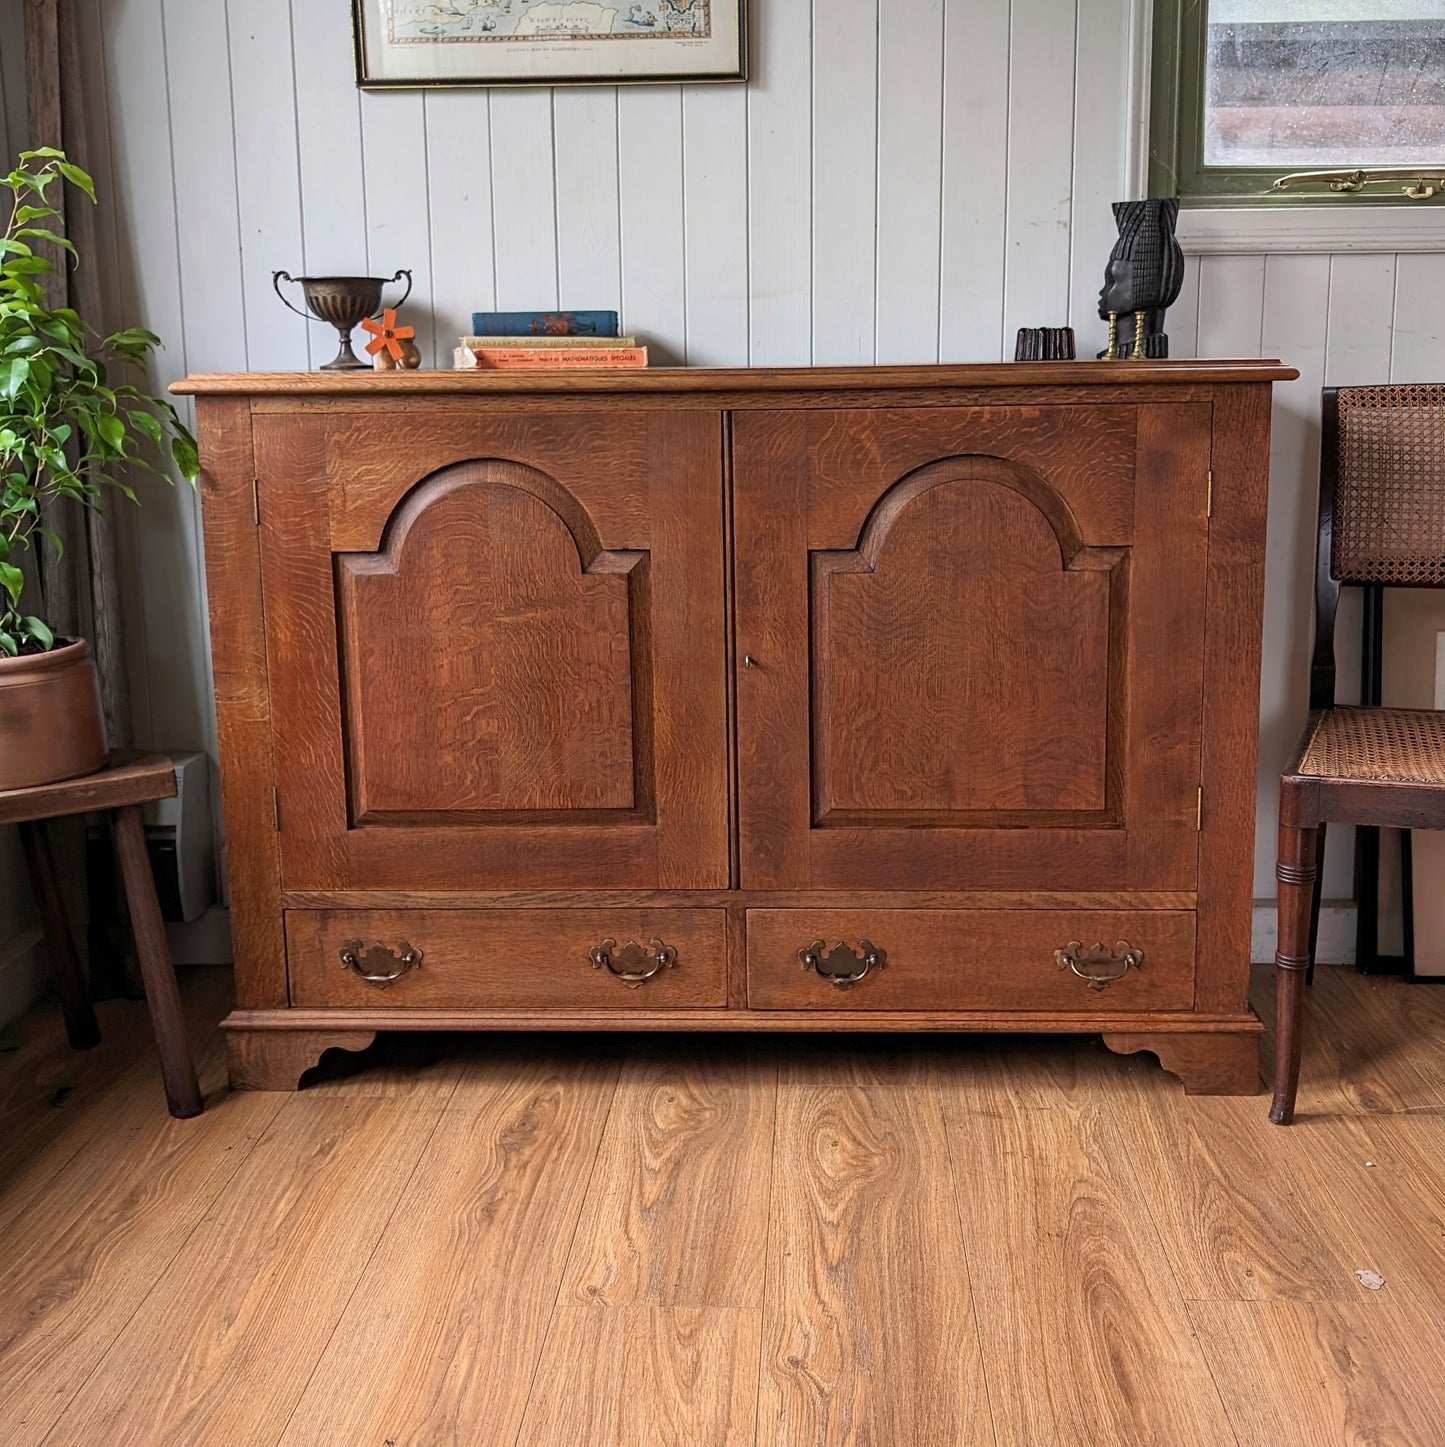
{"x":510,"y":340}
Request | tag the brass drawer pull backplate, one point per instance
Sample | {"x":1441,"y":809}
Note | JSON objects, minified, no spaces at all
{"x":377,"y":964}
{"x":633,"y":964}
{"x":842,"y":966}
{"x":1099,"y":965}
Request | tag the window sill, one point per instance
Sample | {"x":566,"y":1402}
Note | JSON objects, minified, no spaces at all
{"x":1214,"y":231}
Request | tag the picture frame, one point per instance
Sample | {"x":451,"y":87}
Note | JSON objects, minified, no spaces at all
{"x":410,"y":44}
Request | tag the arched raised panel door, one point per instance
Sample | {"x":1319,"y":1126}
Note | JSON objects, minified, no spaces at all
{"x":505,"y":670}
{"x":977,"y":636}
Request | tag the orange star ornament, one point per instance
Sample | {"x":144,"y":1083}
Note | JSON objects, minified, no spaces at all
{"x":386,"y":335}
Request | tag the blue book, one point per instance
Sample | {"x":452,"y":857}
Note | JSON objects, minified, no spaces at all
{"x":544,"y":324}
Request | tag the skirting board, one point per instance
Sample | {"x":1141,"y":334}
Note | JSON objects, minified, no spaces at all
{"x":1337,"y":933}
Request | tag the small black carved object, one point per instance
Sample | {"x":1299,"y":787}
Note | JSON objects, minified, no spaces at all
{"x":1044,"y":344}
{"x":1143,"y":278}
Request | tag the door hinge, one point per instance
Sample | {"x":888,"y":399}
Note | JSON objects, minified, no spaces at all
{"x":1209,"y":495}
{"x":1198,"y":811}
{"x":276,"y":810}
{"x":256,"y":500}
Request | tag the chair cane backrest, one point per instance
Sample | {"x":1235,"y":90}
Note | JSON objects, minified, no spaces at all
{"x":1389,"y":503}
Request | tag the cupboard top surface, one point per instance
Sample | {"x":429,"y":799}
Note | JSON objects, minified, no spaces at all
{"x":705,"y":381}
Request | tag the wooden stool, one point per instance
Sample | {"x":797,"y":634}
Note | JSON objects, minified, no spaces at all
{"x":127,"y":781}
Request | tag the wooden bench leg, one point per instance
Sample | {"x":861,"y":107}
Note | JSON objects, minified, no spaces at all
{"x":1296,"y":870}
{"x":65,"y":971}
{"x":183,"y":1092}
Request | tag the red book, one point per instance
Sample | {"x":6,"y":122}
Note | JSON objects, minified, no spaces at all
{"x":534,"y":359}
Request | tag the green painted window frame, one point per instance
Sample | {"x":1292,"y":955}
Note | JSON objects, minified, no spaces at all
{"x":1176,"y":130}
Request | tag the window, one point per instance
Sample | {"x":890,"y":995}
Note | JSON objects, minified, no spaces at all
{"x":1247,"y":91}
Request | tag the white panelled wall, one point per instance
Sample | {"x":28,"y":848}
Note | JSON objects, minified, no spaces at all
{"x":900,"y":181}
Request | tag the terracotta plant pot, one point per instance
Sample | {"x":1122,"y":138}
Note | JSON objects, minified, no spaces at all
{"x":51,"y":725}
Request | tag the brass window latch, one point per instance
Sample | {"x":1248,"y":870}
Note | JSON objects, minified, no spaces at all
{"x":1418,"y":185}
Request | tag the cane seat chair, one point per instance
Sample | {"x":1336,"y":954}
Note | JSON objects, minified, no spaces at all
{"x":1381,"y":524}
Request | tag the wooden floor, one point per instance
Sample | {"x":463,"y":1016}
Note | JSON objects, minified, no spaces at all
{"x":635,"y":1241}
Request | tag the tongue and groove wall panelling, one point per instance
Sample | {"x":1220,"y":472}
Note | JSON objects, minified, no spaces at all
{"x":459,"y":165}
{"x":1418,"y":339}
{"x":910,"y":147}
{"x":1294,"y":325}
{"x":263,"y":82}
{"x":524,"y":201}
{"x":780,"y":128}
{"x":589,"y":227}
{"x":398,"y":217}
{"x":715,"y":224}
{"x":329,"y":149}
{"x":212,"y":335}
{"x":166,"y":641}
{"x":1102,"y":138}
{"x":975,"y":181}
{"x":1039,"y":212}
{"x":846,"y":182}
{"x":649,"y":188}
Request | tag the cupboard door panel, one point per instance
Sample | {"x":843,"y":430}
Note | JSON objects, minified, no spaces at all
{"x":496,"y":645}
{"x":977,"y":638}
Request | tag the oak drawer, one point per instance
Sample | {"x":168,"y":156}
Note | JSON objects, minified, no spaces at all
{"x":971,"y":959}
{"x":507,"y":959}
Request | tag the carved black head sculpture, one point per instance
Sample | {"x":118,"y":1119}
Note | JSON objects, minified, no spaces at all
{"x":1145,"y":272}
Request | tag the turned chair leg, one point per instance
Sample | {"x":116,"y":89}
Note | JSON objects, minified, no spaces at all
{"x":1296,"y":872}
{"x":65,"y":970}
{"x":183,"y":1092}
{"x":1316,"y":897}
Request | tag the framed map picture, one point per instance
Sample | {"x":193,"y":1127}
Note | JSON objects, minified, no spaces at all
{"x":548,"y":42}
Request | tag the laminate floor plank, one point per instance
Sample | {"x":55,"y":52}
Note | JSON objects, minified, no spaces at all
{"x":635,"y":1240}
{"x":442,"y":1336}
{"x":646,"y":1376}
{"x":1310,"y":1214}
{"x":1085,"y":1337}
{"x":55,"y":1101}
{"x":222,"y":1347}
{"x":869,"y":1334}
{"x":82,"y":1257}
{"x":1318,"y":1374}
{"x":1370,"y":1043}
{"x":677,"y":1212}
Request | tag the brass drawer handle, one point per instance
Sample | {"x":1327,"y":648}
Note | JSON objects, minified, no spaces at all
{"x":841,"y":966}
{"x":1098,"y":964}
{"x":369,"y":962}
{"x":627,"y":964}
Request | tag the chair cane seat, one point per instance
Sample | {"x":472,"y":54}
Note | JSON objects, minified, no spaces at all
{"x":1377,"y":745}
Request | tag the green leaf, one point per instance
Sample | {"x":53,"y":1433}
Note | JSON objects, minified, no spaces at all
{"x":12,"y":580}
{"x":8,"y":644}
{"x":41,"y":234}
{"x":76,"y":177}
{"x":111,"y":430}
{"x":39,"y":631}
{"x":183,"y":450}
{"x":26,"y":214}
{"x":145,"y":424}
{"x":13,"y":375}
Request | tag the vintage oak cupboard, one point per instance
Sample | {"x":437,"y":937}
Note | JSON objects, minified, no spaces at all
{"x":888,"y":698}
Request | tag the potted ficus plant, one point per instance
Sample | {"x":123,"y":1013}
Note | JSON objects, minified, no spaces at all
{"x":70,"y":431}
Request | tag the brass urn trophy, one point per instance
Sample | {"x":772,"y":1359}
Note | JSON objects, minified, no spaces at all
{"x":343,"y":301}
